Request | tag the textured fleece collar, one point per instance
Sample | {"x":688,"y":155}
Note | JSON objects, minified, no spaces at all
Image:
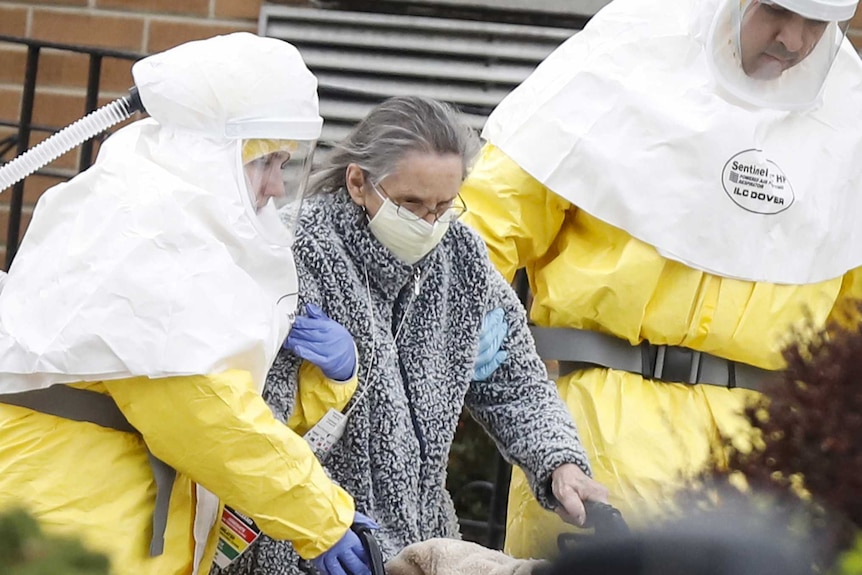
{"x":386,"y":272}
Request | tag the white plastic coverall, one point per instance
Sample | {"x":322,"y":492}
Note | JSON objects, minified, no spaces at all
{"x":609,"y":174}
{"x":149,"y":278}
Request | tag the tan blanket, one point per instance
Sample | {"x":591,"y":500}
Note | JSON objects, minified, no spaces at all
{"x":453,"y":557}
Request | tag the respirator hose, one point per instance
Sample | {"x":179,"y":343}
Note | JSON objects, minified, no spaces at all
{"x":69,"y":137}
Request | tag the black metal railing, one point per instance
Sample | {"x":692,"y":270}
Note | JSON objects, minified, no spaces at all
{"x":493,"y":494}
{"x":20,"y":140}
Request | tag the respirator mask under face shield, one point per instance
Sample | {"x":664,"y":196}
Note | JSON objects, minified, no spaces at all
{"x":777,"y":53}
{"x":276,"y":177}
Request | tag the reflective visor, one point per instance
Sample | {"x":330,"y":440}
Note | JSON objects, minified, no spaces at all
{"x":276,"y":174}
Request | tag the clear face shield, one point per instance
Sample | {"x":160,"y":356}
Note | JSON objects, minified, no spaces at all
{"x":777,"y":53}
{"x":276,"y":175}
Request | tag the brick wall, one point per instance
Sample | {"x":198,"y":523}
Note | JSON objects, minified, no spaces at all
{"x":855,"y":32}
{"x":135,"y":26}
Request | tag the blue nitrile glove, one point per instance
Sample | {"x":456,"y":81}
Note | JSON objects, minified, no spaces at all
{"x":324,"y":342}
{"x":348,"y":556}
{"x":360,"y":520}
{"x":494,"y":331}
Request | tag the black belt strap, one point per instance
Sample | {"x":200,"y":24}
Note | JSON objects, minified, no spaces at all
{"x":164,"y":475}
{"x":93,"y":407}
{"x":579,"y":348}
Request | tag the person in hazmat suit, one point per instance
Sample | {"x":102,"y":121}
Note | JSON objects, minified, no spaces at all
{"x":139,"y":319}
{"x":681,"y":182}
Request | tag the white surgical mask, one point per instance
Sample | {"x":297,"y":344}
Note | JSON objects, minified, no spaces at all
{"x":408,"y":240}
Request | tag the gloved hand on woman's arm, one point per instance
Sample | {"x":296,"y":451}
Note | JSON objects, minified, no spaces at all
{"x":348,"y":556}
{"x":490,"y":357}
{"x":324,"y":342}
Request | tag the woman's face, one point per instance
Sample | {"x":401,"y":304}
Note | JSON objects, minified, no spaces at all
{"x":425,"y":183}
{"x":265,"y":177}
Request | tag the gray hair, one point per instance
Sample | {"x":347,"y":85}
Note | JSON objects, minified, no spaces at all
{"x":393,"y":129}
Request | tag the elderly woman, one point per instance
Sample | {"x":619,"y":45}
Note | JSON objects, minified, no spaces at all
{"x":380,"y":251}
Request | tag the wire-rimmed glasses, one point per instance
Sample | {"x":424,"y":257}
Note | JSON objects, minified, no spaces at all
{"x":415,"y":211}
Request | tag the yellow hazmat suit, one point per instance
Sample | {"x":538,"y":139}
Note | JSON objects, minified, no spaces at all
{"x":154,"y":278}
{"x":652,"y":198}
{"x":642,"y":436}
{"x":89,"y":481}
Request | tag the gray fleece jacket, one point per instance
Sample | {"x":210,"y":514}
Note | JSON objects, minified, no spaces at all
{"x":393,"y":455}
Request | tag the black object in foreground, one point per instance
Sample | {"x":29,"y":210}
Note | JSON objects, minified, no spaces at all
{"x":366,"y":535}
{"x":606,"y":521}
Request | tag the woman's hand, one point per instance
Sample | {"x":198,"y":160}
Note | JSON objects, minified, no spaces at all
{"x":571,"y":487}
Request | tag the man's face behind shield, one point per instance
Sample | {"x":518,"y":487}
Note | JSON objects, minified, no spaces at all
{"x":774,"y":39}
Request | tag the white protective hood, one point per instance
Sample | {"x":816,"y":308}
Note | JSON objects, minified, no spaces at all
{"x":626,"y":121}
{"x":152,"y":262}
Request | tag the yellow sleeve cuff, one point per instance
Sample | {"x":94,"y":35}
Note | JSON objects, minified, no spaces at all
{"x":316,"y":395}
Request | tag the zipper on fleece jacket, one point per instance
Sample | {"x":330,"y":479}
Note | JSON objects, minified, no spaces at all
{"x":423,"y":446}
